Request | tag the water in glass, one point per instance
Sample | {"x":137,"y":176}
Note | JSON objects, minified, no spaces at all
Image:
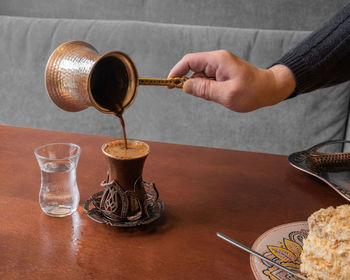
{"x":59,"y":195}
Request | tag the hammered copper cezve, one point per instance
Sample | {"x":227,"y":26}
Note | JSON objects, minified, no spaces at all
{"x":78,"y":77}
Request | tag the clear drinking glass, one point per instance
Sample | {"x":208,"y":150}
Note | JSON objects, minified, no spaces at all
{"x":59,"y":194}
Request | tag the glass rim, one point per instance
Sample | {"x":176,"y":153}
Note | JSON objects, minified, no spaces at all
{"x":36,"y":151}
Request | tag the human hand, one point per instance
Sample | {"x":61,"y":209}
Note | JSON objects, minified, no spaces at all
{"x":238,"y":85}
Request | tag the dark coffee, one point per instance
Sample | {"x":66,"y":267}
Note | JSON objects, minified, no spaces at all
{"x":109,"y":84}
{"x":122,"y":122}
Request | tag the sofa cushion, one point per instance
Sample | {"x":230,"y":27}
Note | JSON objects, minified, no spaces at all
{"x":160,"y":114}
{"x":266,"y":14}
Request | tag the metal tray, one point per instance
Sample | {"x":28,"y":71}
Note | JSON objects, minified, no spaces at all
{"x":331,"y":168}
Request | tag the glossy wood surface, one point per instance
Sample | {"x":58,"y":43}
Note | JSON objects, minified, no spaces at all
{"x":239,"y":194}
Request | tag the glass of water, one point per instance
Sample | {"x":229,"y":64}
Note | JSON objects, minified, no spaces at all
{"x":59,"y":194}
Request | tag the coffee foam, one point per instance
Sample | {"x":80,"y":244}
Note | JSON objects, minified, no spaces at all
{"x":116,"y":149}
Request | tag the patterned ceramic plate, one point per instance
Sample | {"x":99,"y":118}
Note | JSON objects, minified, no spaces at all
{"x":283,"y":244}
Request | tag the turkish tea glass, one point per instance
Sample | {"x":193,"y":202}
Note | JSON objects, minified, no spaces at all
{"x":59,"y":194}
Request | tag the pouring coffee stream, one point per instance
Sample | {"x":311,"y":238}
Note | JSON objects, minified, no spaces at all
{"x":77,"y":77}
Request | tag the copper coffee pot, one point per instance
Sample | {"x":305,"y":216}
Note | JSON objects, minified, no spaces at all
{"x":78,"y":77}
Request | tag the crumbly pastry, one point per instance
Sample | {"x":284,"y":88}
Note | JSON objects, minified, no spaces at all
{"x":326,"y":250}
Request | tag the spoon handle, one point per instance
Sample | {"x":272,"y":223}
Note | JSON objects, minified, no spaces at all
{"x":245,"y":248}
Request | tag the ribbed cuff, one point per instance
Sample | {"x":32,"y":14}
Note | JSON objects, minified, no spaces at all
{"x":300,"y":70}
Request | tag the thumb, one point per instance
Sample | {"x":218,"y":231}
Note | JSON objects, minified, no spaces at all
{"x":204,"y":88}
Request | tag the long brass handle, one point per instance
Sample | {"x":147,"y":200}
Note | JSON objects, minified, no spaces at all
{"x":177,"y":82}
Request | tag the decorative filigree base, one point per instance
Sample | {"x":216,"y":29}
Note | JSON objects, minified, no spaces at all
{"x":129,"y":208}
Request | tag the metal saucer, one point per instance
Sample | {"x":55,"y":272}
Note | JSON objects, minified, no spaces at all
{"x":96,"y":215}
{"x":331,"y":168}
{"x":151,"y":210}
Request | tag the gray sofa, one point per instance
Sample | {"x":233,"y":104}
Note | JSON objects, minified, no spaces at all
{"x":156,"y":34}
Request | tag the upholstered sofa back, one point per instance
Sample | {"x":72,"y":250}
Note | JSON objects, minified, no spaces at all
{"x":159,"y":114}
{"x":259,"y":14}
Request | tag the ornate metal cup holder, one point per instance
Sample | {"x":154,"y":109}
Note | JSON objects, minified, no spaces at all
{"x":112,"y":205}
{"x":331,"y":168}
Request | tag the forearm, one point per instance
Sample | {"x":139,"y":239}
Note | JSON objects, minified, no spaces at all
{"x":323,"y":58}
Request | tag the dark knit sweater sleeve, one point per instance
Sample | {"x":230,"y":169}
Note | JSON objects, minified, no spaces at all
{"x":323,"y":58}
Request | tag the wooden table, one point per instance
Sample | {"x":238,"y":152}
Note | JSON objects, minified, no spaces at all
{"x":239,"y":194}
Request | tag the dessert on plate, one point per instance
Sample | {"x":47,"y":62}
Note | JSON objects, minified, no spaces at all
{"x":326,"y":250}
